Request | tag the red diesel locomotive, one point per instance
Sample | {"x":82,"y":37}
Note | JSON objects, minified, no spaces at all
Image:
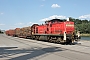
{"x":55,"y":30}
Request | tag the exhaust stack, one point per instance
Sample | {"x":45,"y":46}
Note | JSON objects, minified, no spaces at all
{"x":67,"y":19}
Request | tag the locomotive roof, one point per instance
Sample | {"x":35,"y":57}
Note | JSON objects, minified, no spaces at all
{"x":60,"y":20}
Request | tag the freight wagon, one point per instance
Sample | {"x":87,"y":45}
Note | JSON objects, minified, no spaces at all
{"x":10,"y":32}
{"x":25,"y":32}
{"x":55,"y":30}
{"x":17,"y":32}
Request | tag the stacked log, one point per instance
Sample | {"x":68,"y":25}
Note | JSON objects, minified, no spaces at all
{"x":17,"y":32}
{"x":11,"y":32}
{"x":25,"y":32}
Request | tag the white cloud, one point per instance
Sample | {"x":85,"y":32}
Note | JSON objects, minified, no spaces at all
{"x":30,"y":23}
{"x":45,"y":19}
{"x":53,"y":17}
{"x":13,"y":27}
{"x":34,"y":23}
{"x":42,"y":5}
{"x":19,"y":23}
{"x":55,"y":6}
{"x":85,"y":16}
{"x":1,"y":13}
{"x":22,"y":25}
{"x":2,"y":24}
{"x":43,"y":0}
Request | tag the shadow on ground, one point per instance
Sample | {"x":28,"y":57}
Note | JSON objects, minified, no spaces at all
{"x":31,"y":53}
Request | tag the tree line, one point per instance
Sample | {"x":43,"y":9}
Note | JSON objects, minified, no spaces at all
{"x":81,"y":25}
{"x":1,"y":31}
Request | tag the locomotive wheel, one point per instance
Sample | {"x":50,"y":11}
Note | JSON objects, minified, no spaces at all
{"x":50,"y":40}
{"x":59,"y":40}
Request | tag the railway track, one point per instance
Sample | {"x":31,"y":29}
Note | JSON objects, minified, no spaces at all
{"x":50,"y":45}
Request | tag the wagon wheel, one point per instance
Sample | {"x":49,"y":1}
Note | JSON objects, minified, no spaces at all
{"x":38,"y":37}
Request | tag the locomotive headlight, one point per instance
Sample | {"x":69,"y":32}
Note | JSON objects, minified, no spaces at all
{"x":70,"y":25}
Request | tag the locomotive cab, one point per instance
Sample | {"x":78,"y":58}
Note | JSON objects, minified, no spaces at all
{"x":54,"y":21}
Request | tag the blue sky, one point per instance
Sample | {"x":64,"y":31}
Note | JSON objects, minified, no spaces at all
{"x":23,"y":13}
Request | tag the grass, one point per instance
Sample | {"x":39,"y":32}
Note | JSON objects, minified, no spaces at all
{"x":88,"y":35}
